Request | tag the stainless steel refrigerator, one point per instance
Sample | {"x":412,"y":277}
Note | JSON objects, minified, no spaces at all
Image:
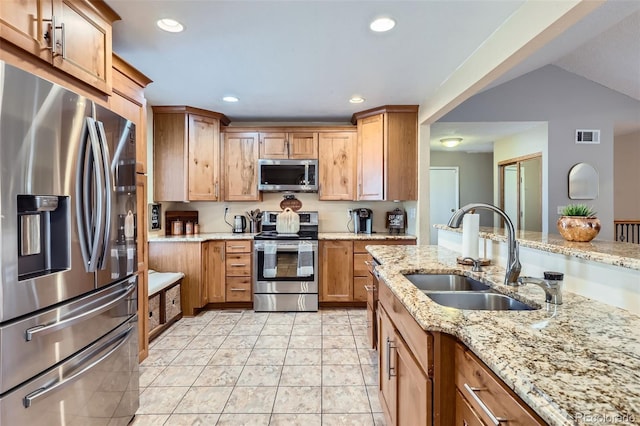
{"x":68,"y":298}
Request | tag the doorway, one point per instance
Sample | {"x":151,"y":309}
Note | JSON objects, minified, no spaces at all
{"x":444,"y":197}
{"x":521,"y":191}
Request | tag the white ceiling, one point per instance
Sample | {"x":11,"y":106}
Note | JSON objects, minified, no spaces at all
{"x":476,"y":137}
{"x":302,"y":60}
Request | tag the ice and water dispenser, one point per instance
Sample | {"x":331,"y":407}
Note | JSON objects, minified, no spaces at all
{"x":43,"y":235}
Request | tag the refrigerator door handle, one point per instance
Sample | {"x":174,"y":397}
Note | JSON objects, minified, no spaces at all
{"x":118,"y":151}
{"x":82,"y":196}
{"x":98,"y":161}
{"x":108,"y":189}
{"x":121,"y":339}
{"x":39,"y":330}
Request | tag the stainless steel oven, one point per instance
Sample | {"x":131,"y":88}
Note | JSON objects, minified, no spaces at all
{"x":285,"y":272}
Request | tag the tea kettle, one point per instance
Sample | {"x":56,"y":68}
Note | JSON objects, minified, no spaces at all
{"x":239,"y":224}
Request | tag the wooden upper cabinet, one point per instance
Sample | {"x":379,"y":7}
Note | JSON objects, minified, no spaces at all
{"x":186,"y":154}
{"x":204,"y":158}
{"x":370,"y":158}
{"x":336,"y":271}
{"x":336,"y":160}
{"x":73,"y":35}
{"x":294,"y":145}
{"x":241,"y":172}
{"x":387,"y":153}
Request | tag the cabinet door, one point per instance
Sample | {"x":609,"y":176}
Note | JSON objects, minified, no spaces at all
{"x":371,"y":158}
{"x":336,"y":273}
{"x":241,"y":172}
{"x":303,"y":146}
{"x":23,"y":24}
{"x":214,"y":273}
{"x":83,"y":43}
{"x":273,"y":145}
{"x":170,"y":161}
{"x":204,"y":158}
{"x":336,"y":160}
{"x":465,"y":416}
{"x":413,"y":398}
{"x":401,"y":156}
{"x":386,"y":361}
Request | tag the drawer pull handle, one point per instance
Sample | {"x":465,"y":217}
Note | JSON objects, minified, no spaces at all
{"x":236,"y":247}
{"x":238,"y":265}
{"x":369,"y":288}
{"x":238,"y":289}
{"x":389,"y":368}
{"x":472,"y":391}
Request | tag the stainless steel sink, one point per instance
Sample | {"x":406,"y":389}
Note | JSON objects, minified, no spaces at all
{"x":445,"y":282}
{"x":478,"y":301}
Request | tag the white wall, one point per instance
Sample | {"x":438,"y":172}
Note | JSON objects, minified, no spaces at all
{"x":567,"y":102}
{"x":476,"y":178}
{"x":626,"y":178}
{"x":532,"y":141}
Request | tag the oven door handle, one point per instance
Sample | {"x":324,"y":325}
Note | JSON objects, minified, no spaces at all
{"x":286,"y":248}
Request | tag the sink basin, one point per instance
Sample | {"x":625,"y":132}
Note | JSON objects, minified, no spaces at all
{"x":445,"y":282}
{"x":479,"y":301}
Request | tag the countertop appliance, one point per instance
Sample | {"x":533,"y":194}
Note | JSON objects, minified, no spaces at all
{"x":285,"y":271}
{"x":288,"y":175}
{"x":362,"y":221}
{"x":239,"y":224}
{"x":68,"y":323}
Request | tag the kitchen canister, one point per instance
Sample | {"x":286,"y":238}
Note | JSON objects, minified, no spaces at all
{"x":176,"y":227}
{"x":288,"y":222}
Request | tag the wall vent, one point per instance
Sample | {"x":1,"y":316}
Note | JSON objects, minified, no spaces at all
{"x":588,"y":136}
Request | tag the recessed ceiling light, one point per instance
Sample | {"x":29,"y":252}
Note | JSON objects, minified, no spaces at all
{"x":230,"y":99}
{"x":381,"y":25}
{"x":356,"y":100}
{"x":450,"y":142}
{"x":170,"y":25}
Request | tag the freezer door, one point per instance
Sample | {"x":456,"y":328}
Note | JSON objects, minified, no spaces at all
{"x":37,"y":342}
{"x":118,"y":136}
{"x":42,"y":129}
{"x":98,"y":385}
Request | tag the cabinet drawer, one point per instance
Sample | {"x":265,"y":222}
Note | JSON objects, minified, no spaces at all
{"x":360,"y":285}
{"x":479,"y":386}
{"x":464,"y":413}
{"x":172,"y":303}
{"x":240,"y":246}
{"x":238,"y":289}
{"x":238,"y":265}
{"x":360,"y":267}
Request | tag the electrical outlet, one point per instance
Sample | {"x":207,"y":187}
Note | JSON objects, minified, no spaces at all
{"x":349,"y":211}
{"x":412,"y":213}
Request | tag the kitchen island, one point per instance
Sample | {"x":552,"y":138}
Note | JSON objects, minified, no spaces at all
{"x":575,"y":363}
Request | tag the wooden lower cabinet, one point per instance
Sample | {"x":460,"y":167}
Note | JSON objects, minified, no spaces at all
{"x":213,"y":260}
{"x":336,"y":271}
{"x":430,"y":378}
{"x":238,"y":267}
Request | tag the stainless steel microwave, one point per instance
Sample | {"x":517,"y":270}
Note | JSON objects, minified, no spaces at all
{"x":288,"y":175}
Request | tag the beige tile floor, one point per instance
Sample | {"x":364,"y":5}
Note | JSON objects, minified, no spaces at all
{"x":248,"y":368}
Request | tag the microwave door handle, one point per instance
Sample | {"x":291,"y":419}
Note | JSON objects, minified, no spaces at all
{"x":306,"y":174}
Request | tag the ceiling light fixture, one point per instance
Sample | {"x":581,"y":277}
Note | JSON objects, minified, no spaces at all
{"x":381,"y":25}
{"x":450,"y":142}
{"x":170,"y":25}
{"x":356,"y":100}
{"x":230,"y":99}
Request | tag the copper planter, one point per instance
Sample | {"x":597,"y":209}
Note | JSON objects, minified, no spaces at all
{"x":578,"y":228}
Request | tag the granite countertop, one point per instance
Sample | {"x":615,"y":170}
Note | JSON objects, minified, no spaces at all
{"x":352,"y":236}
{"x":567,"y":362}
{"x":626,"y":255}
{"x":198,"y":238}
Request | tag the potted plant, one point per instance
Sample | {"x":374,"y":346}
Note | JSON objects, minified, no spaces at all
{"x":578,"y":223}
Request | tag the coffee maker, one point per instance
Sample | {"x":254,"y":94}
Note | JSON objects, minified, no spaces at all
{"x":362,"y":220}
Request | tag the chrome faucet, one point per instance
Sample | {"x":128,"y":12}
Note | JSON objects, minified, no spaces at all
{"x":551,"y":284}
{"x":513,"y":261}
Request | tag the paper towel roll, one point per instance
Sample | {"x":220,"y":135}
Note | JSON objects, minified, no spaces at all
{"x":470,"y":235}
